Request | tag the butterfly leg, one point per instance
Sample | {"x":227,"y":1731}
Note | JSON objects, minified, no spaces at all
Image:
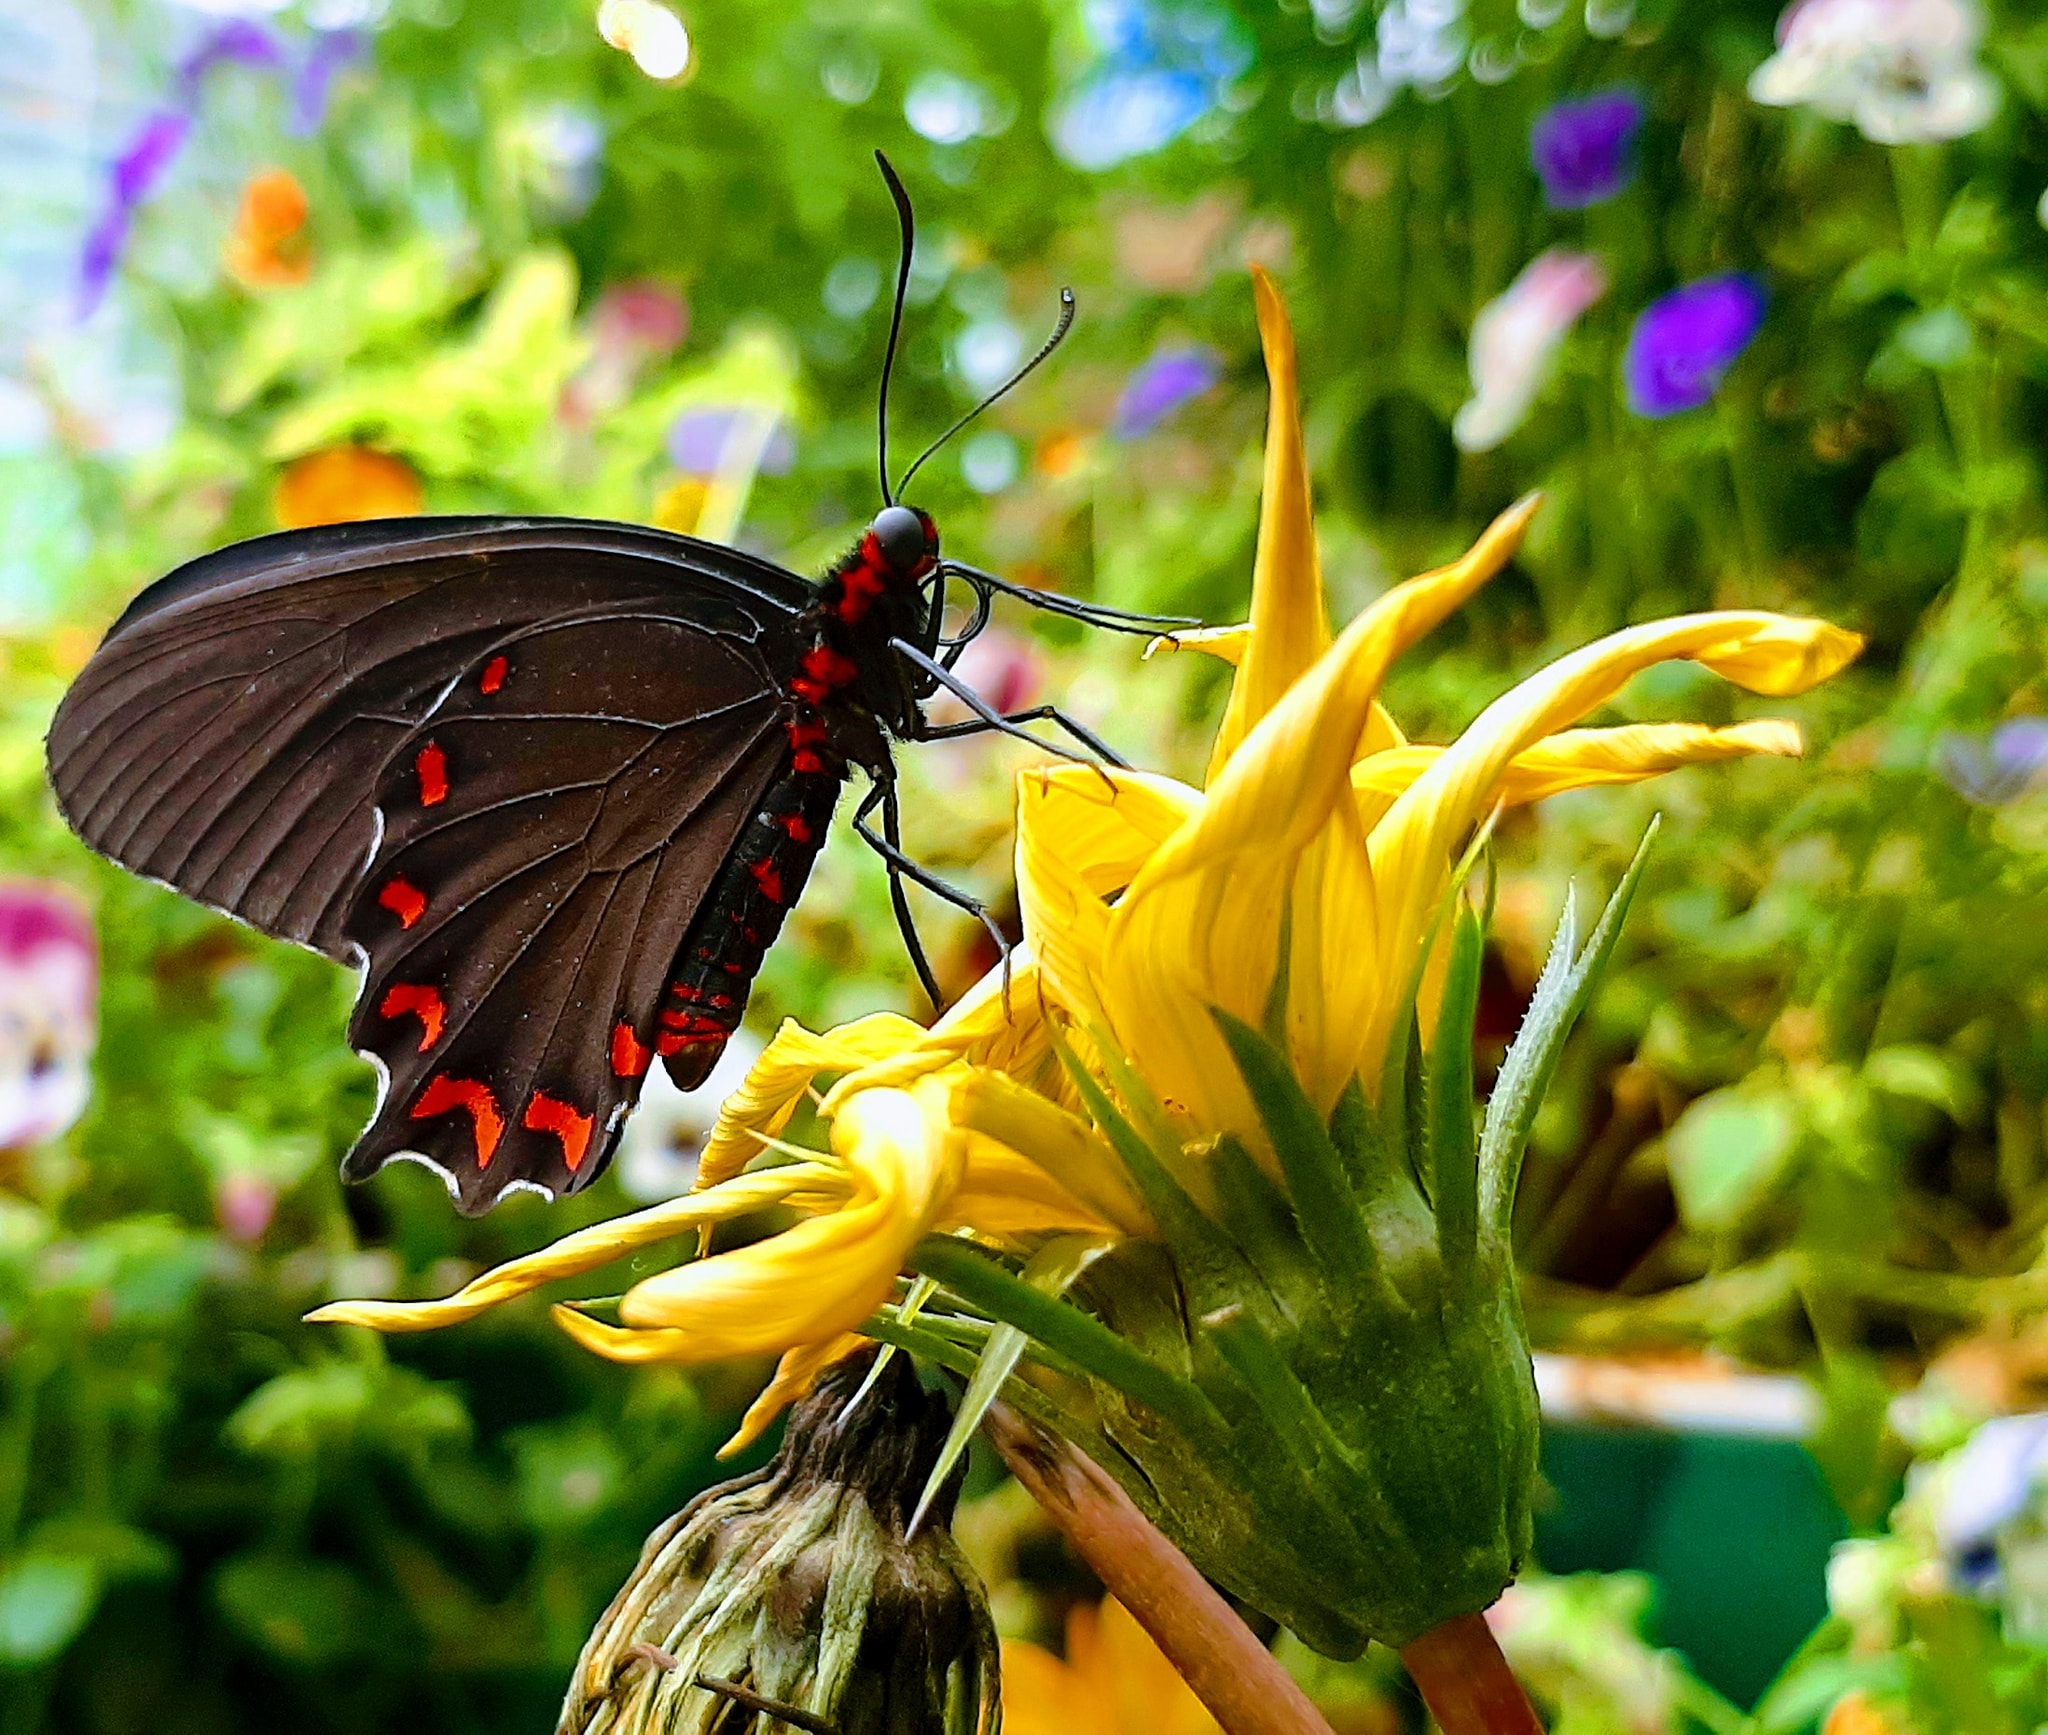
{"x":991,"y":718}
{"x":888,"y":844}
{"x":1037,"y":714}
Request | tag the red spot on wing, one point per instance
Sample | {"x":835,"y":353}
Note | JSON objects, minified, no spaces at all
{"x":550,"y":1114}
{"x":403,"y":899}
{"x":629,"y":1054}
{"x":407,"y":999}
{"x":493,"y":675}
{"x":798,"y":827}
{"x":432,"y":766}
{"x":768,"y":876}
{"x":444,"y":1094}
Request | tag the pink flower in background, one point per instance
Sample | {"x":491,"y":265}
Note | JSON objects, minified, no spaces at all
{"x":49,"y":1010}
{"x":244,"y":1205}
{"x":1515,"y":341}
{"x":1005,"y":668}
{"x":1904,"y":71}
{"x":633,"y":326}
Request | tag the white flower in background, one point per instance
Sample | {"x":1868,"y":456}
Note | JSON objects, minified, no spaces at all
{"x":659,"y":1149}
{"x":1515,"y":341}
{"x":1904,"y":71}
{"x":49,"y":1010}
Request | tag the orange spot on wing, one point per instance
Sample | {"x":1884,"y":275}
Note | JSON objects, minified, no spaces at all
{"x":493,"y":675}
{"x":629,"y":1054}
{"x":474,"y":1097}
{"x":409,"y":999}
{"x":432,"y":766}
{"x":403,"y":899}
{"x":550,"y":1114}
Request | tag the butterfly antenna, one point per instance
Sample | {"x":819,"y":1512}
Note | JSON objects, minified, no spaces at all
{"x":1045,"y":349}
{"x":908,"y":224}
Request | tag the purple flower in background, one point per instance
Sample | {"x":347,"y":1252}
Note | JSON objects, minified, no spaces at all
{"x":1172,"y":377}
{"x":1682,"y":343}
{"x":699,"y":441}
{"x":237,"y":40}
{"x":137,"y":173}
{"x":332,"y":51}
{"x":1992,"y":770}
{"x":1585,"y":151}
{"x":49,"y":999}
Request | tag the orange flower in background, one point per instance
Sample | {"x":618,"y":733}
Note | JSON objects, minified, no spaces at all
{"x":1856,"y":1714}
{"x":344,"y":483}
{"x":268,"y":247}
{"x":1114,"y":1681}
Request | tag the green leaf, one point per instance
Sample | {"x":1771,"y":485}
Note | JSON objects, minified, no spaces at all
{"x":1727,"y":1153}
{"x":304,"y":1611}
{"x":1454,"y":1153}
{"x":1051,"y":1269}
{"x":1566,"y":984}
{"x":45,"y":1601}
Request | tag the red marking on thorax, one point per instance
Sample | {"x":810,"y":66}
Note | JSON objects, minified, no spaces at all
{"x":474,"y":1097}
{"x":403,"y":899}
{"x":549,"y":1114}
{"x":629,"y":1054}
{"x":411,"y":999}
{"x":493,"y":675}
{"x":825,"y":671}
{"x":768,"y":877}
{"x":432,"y":766}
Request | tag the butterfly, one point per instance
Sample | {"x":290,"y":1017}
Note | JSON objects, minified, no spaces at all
{"x":552,"y":784}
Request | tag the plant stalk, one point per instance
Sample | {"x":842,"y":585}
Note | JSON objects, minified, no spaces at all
{"x":1466,"y":1682}
{"x":1236,"y":1677}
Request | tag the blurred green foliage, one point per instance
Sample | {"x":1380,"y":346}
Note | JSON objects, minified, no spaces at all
{"x":1803,"y":1120}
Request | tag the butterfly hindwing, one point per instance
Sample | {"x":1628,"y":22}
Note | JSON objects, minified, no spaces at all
{"x":228,"y":736}
{"x":550,"y":830}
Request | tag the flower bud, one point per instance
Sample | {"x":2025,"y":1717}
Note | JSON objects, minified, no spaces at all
{"x":798,"y":1591}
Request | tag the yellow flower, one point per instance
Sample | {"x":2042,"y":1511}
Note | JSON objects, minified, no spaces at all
{"x":1113,"y":1681}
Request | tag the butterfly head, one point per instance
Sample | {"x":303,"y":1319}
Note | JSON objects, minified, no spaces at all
{"x":904,"y":543}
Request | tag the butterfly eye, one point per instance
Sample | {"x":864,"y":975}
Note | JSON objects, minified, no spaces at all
{"x":899,"y":533}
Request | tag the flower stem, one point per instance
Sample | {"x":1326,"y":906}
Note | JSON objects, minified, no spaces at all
{"x":1466,"y":1682}
{"x":1243,"y":1685}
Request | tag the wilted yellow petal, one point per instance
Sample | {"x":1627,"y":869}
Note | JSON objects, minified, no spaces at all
{"x":587,"y":1249}
{"x":1580,"y":758}
{"x":827,"y":1274}
{"x":776,"y":1083}
{"x":1004,"y":1193}
{"x":1411,"y":845}
{"x":795,"y":1375}
{"x":1065,"y":1146}
{"x":1200,"y":924}
{"x":1290,"y":624}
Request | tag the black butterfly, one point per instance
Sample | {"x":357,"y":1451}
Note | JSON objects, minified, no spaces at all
{"x":552,"y":783}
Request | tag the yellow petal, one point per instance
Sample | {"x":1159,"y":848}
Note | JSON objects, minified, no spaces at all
{"x":1063,"y":1145}
{"x":1004,"y":1194}
{"x":824,"y":1276}
{"x":776,"y":1084}
{"x":587,"y":1249}
{"x":795,"y":1375}
{"x":1580,"y":758}
{"x":1117,"y":1661}
{"x":1200,"y":924}
{"x":1290,"y":624}
{"x":1411,"y":845}
{"x":1043,"y":1696}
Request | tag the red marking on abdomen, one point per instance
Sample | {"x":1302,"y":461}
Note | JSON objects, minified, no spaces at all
{"x":768,"y":876}
{"x":403,"y":899}
{"x":549,"y":1114}
{"x":797,"y":826}
{"x":629,"y":1054}
{"x":494,"y":675}
{"x":474,"y":1097}
{"x":410,"y":999}
{"x":432,"y":765}
{"x":675,"y":1041}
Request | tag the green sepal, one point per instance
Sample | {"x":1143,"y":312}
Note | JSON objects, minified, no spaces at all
{"x":1323,"y":1201}
{"x":1562,"y":991}
{"x":1051,"y":1269}
{"x":1082,"y":1338}
{"x":1453,"y":1146}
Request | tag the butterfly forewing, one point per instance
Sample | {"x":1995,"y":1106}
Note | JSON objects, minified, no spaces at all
{"x":502,"y":760}
{"x":550,"y":830}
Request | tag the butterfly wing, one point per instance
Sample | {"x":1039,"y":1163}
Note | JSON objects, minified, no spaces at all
{"x":227,"y":736}
{"x":499,"y":762}
{"x":548,"y":839}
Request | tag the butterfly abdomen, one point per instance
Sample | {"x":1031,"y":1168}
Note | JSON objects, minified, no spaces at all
{"x":759,"y":884}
